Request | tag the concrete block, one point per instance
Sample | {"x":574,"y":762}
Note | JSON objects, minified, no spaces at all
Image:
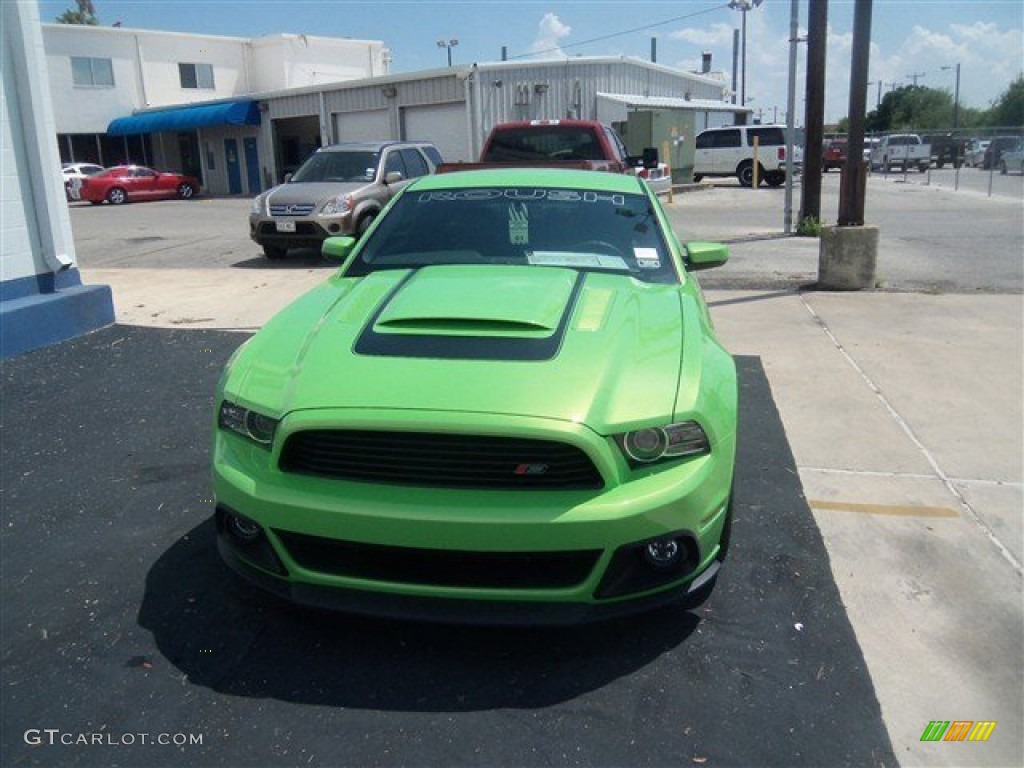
{"x":847,"y":258}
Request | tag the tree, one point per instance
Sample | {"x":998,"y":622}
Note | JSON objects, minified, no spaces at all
{"x":1008,"y":109}
{"x":86,"y":14}
{"x":912,"y":108}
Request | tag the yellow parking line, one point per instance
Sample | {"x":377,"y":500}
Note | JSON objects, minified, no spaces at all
{"x":884,"y":509}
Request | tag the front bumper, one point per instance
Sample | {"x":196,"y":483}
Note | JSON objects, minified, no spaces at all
{"x":481,"y":556}
{"x":309,"y":231}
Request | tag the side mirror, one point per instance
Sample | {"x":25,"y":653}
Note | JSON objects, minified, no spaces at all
{"x":338,"y":248}
{"x":392,"y":176}
{"x":701,"y":255}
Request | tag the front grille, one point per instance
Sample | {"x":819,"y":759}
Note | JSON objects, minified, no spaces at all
{"x":443,"y":568}
{"x":295,"y":209}
{"x":439,"y":460}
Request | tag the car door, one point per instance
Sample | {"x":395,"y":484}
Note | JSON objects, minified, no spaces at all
{"x":703,"y":155}
{"x":143,"y":183}
{"x":728,"y":150}
{"x":393,"y":162}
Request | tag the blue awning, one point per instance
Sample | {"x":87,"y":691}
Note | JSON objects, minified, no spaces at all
{"x":187,"y":118}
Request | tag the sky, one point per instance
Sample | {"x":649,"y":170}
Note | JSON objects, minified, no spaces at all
{"x":909,"y":37}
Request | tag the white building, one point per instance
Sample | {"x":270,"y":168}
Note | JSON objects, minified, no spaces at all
{"x":181,"y":101}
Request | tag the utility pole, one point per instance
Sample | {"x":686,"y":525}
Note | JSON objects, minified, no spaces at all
{"x":814,"y":110}
{"x":851,"y":193}
{"x":915,"y":75}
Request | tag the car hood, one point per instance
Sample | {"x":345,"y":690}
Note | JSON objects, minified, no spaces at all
{"x":593,"y":348}
{"x":315,"y":192}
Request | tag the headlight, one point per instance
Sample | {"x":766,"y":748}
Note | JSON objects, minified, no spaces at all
{"x":249,"y":424}
{"x":257,"y":205}
{"x":673,"y":441}
{"x":341,"y":204}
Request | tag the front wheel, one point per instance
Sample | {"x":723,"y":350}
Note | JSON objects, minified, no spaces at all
{"x":364,"y":224}
{"x":745,"y":174}
{"x":116,"y":196}
{"x":185,"y":191}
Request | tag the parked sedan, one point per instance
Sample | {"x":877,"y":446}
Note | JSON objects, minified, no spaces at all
{"x":132,"y":183}
{"x":73,"y":174}
{"x":975,"y":154}
{"x":508,"y":405}
{"x":1012,"y":160}
{"x":994,"y":151}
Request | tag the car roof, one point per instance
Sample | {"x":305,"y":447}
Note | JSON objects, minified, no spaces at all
{"x":369,"y":146}
{"x":596,"y":181}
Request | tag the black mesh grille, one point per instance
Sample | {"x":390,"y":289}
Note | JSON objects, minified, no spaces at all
{"x":440,"y":460}
{"x":447,"y":568}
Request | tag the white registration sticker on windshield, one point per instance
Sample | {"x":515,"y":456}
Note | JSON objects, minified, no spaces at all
{"x":579,"y":260}
{"x":647,"y":258}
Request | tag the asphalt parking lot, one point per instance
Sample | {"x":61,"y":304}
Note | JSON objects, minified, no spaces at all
{"x":865,"y":583}
{"x":120,"y":618}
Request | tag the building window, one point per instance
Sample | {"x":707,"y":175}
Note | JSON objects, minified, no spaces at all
{"x":196,"y":75}
{"x":94,"y":73}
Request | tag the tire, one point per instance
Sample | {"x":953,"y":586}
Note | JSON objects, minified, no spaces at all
{"x":274,"y":252}
{"x":775,"y":178}
{"x":185,"y":191}
{"x":364,"y":224}
{"x":923,"y":168}
{"x":117,"y":196}
{"x":698,"y":178}
{"x":745,"y":174}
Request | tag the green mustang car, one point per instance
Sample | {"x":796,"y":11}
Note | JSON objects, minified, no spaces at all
{"x":507,"y":406}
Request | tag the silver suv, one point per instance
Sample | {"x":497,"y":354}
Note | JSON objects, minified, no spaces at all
{"x":729,"y":151}
{"x":339,"y":190}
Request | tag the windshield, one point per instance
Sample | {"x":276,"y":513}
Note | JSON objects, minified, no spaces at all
{"x":338,"y":166}
{"x":543,"y":227}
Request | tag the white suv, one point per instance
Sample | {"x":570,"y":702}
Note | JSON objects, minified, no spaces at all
{"x":729,"y":151}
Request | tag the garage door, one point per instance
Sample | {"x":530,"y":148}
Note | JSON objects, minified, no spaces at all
{"x":372,"y":125}
{"x":442,"y":124}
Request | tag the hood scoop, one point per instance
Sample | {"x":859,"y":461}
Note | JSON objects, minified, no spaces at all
{"x":475,"y":313}
{"x":474,"y":300}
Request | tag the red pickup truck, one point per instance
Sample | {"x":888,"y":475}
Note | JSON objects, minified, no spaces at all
{"x":584,"y":144}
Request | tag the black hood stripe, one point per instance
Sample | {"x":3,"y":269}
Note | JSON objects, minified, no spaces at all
{"x":444,"y":347}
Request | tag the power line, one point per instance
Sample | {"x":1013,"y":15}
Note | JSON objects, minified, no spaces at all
{"x":620,"y":34}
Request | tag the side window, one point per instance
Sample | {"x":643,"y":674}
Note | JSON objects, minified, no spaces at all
{"x":766,"y":137}
{"x":705,"y":140}
{"x":727,"y":139}
{"x":415,"y":163}
{"x":393,"y":162}
{"x":616,"y":142}
{"x":431,"y":152}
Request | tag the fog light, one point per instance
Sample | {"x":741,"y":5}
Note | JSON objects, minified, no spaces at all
{"x":663,"y":554}
{"x":242,"y":528}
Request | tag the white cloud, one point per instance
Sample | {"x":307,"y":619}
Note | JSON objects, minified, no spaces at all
{"x":550,"y":31}
{"x":715,"y":35}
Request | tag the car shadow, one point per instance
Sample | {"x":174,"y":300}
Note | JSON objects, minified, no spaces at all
{"x":299,"y":258}
{"x":225,"y":635}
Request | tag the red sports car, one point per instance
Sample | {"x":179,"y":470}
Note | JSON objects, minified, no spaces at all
{"x":135,"y":182}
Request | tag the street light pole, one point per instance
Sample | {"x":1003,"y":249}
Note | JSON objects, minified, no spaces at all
{"x":743,"y":6}
{"x":956,"y":97}
{"x":448,"y":44}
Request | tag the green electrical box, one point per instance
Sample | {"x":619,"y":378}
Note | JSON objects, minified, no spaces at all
{"x":661,"y":128}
